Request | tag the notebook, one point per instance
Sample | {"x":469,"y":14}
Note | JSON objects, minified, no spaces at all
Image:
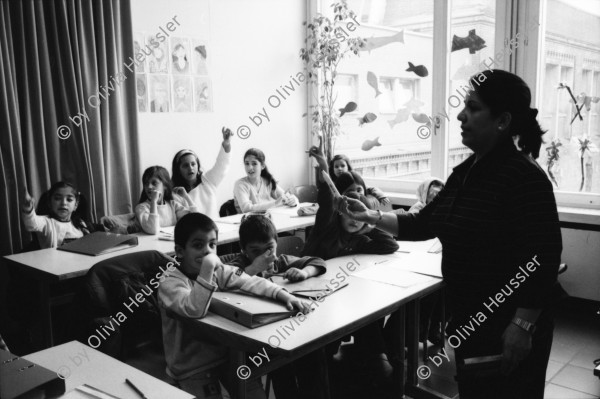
{"x":100,"y":243}
{"x":248,"y":310}
{"x":310,"y":288}
{"x":19,"y":376}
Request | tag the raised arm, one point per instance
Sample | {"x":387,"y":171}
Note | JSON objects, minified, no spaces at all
{"x":217,"y":173}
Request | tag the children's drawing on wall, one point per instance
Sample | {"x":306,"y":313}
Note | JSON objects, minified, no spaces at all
{"x":202,"y":95}
{"x":159,"y":94}
{"x":199,"y":56}
{"x":182,"y":94}
{"x":141,"y":89}
{"x":180,"y":55}
{"x":157,"y":61}
{"x":138,"y":46}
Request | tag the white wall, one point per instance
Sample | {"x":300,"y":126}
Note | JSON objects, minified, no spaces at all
{"x":253,"y":49}
{"x":581,"y":252}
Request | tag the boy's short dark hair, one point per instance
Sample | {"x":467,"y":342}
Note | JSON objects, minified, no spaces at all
{"x":256,"y":228}
{"x":189,"y":224}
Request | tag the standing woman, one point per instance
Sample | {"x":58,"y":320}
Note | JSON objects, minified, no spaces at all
{"x":498,"y":224}
{"x":202,"y":186}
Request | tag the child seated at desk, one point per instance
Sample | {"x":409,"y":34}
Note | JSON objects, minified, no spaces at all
{"x":196,"y":365}
{"x":258,"y":240}
{"x":335,"y":234}
{"x":426,"y":192}
{"x":258,"y":191}
{"x":61,"y":215}
{"x":159,"y":206}
{"x":341,"y":163}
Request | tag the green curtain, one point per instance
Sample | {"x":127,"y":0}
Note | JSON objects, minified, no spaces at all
{"x":64,"y":72}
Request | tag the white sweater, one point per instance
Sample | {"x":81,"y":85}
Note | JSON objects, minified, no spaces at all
{"x":167,"y":214}
{"x":50,"y":232}
{"x":248,"y":199}
{"x":181,"y":297}
{"x":205,"y":195}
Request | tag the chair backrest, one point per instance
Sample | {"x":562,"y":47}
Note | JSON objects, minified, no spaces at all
{"x":228,"y":209}
{"x":306,"y":193}
{"x":291,"y":245}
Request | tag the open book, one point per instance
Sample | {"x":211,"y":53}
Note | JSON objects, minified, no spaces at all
{"x":248,"y":310}
{"x":313,"y":287}
{"x":100,"y":243}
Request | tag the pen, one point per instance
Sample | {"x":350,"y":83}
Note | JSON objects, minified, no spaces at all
{"x":136,"y":389}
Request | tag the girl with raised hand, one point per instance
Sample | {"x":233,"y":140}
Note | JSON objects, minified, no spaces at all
{"x":160,"y":205}
{"x":258,"y":191}
{"x":340,"y":163}
{"x":60,"y":215}
{"x":202,"y":186}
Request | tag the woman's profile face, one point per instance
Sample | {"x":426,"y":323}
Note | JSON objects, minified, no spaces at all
{"x":479,"y":127}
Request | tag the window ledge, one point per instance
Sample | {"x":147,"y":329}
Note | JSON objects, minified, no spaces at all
{"x":565,"y":214}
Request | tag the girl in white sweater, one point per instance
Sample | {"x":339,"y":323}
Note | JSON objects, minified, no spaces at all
{"x":59,"y":218}
{"x":202,"y":186}
{"x":258,"y":191}
{"x":160,"y":205}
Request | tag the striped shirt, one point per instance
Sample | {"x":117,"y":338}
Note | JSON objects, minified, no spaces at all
{"x":493,"y":218}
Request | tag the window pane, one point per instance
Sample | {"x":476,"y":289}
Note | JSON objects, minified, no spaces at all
{"x":400,"y":31}
{"x":569,"y":154}
{"x":472,"y":22}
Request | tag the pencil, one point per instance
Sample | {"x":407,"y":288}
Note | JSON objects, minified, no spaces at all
{"x":136,"y":389}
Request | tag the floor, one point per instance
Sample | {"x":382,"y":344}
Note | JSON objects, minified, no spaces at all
{"x":575,"y":346}
{"x":569,"y":375}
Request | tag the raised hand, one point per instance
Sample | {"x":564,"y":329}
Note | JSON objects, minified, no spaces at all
{"x":227,"y":134}
{"x":263,"y":262}
{"x":28,"y":202}
{"x":316,"y":152}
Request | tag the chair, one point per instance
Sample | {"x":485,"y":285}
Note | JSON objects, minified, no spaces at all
{"x":228,"y":209}
{"x":111,"y":284}
{"x":290,"y":245}
{"x":307,"y":193}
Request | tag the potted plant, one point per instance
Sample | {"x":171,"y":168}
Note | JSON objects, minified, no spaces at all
{"x":586,"y":147}
{"x":553,"y":157}
{"x":325,"y":47}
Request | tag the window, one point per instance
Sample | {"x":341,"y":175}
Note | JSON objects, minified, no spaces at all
{"x":568,"y":59}
{"x":399,"y":149}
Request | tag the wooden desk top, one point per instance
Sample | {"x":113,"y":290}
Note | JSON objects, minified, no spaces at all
{"x":352,"y":307}
{"x":85,"y":365}
{"x":56,"y":265}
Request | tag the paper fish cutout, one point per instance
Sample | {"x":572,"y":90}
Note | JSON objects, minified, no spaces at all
{"x":472,"y":42}
{"x":413,"y":104}
{"x":419,"y":70}
{"x":368,"y":118}
{"x":401,"y":116}
{"x":377,"y":42}
{"x":373,"y":82}
{"x":421,"y":118}
{"x":350,"y":107}
{"x":368,"y":144}
{"x":587,"y":101}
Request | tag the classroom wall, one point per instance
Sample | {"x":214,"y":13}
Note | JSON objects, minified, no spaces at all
{"x":253,"y":49}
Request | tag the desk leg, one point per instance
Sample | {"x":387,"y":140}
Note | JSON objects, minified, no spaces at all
{"x":45,"y":312}
{"x":413,"y":342}
{"x":238,"y":359}
{"x":397,"y":324}
{"x":324,"y":372}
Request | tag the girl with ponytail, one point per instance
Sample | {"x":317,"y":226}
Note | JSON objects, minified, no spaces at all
{"x":258,"y":191}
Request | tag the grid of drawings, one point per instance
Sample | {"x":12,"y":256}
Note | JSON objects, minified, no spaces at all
{"x":174,"y":76}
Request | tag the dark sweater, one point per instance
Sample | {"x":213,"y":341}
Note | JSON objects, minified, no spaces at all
{"x":493,"y":217}
{"x":282,"y":264}
{"x":328,"y":240}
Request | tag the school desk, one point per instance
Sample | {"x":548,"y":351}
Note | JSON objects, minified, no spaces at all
{"x":360,"y":303}
{"x":49,"y":266}
{"x":81,"y":364}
